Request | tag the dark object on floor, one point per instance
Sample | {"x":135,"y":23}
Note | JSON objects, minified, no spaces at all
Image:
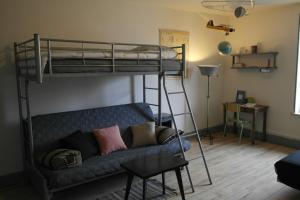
{"x":288,"y":170}
{"x":83,"y":142}
{"x":154,"y":192}
{"x":49,"y":129}
{"x":149,"y":166}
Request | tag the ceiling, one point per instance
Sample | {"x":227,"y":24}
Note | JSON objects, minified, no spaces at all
{"x":195,"y":5}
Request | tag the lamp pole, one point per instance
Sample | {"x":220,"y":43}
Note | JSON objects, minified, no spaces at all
{"x":208,"y":70}
{"x":207,"y":112}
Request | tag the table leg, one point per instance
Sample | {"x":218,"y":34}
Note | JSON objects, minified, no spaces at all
{"x":253,"y":128}
{"x":234,"y":124}
{"x":163,"y":183}
{"x":128,"y":186}
{"x":179,"y":180}
{"x":265,"y":126}
{"x":144,"y":188}
{"x":224,"y":115}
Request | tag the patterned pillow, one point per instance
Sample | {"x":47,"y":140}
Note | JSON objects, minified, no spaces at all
{"x":165,"y":134}
{"x":109,"y":139}
{"x":61,"y":159}
{"x":143,"y":134}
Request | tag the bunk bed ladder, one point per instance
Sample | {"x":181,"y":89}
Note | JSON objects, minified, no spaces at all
{"x":158,"y":89}
{"x":185,"y":135}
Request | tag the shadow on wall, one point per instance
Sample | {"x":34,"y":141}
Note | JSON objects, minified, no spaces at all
{"x":10,"y":140}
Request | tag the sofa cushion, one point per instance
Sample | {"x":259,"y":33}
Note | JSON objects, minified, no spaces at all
{"x":143,"y":134}
{"x":98,"y":166}
{"x":83,"y":142}
{"x":288,"y":170}
{"x":50,"y":128}
{"x":109,"y":139}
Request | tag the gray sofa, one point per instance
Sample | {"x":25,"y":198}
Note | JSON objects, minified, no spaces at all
{"x":49,"y":129}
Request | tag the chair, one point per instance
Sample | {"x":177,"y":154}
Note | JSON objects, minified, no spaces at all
{"x":234,"y":108}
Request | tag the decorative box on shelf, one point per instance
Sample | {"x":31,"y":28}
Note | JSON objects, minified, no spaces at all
{"x":264,"y":61}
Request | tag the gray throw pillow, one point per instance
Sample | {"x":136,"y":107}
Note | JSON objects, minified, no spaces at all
{"x":165,"y":134}
{"x":143,"y":134}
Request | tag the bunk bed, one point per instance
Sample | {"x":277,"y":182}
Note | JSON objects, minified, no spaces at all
{"x":40,"y":59}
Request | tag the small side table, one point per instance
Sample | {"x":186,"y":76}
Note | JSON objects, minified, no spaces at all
{"x":149,"y":166}
{"x":166,"y":119}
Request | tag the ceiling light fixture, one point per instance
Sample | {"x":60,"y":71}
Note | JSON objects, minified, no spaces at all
{"x":239,"y":7}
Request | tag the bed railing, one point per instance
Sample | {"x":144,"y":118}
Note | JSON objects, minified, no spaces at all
{"x":33,"y":55}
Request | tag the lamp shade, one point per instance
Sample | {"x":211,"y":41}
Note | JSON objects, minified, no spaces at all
{"x":208,"y":70}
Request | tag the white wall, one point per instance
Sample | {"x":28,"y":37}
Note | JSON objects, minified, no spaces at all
{"x":277,"y":30}
{"x":100,"y":20}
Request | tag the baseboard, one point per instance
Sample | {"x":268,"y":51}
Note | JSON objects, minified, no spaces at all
{"x":274,"y":139}
{"x":12,"y":179}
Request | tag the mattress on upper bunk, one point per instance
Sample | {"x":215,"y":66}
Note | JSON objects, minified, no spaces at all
{"x":102,"y":65}
{"x":101,"y":61}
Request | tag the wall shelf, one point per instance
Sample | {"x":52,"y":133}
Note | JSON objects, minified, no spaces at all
{"x":263,"y":61}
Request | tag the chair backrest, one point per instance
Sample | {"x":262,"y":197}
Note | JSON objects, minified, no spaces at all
{"x":233,"y":107}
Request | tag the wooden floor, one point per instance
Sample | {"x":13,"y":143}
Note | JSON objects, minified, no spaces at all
{"x":238,"y":171}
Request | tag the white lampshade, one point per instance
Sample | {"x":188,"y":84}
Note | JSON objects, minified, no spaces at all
{"x":208,"y":70}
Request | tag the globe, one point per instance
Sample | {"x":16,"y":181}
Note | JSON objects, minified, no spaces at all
{"x":224,"y":48}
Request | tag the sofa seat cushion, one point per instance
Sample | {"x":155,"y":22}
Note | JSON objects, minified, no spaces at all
{"x":288,"y":170}
{"x":97,"y":166}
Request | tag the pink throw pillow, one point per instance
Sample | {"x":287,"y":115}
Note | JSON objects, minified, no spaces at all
{"x":109,"y":139}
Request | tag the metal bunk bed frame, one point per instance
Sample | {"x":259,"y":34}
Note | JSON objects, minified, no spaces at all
{"x":25,"y":76}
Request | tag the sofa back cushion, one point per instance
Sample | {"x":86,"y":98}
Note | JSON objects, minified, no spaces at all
{"x":50,"y":128}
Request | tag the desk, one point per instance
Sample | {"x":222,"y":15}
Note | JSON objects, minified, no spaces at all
{"x":254,"y":111}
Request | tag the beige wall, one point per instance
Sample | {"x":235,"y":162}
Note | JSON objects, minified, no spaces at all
{"x":277,"y":30}
{"x":101,"y":20}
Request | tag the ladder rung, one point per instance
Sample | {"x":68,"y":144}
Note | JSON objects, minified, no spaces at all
{"x":186,"y":113}
{"x":23,"y":97}
{"x":151,"y":104}
{"x":197,"y":157}
{"x":149,"y":88}
{"x":180,"y":92}
{"x":189,"y":134}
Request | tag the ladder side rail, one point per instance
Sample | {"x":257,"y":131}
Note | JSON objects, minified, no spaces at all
{"x":196,"y":130}
{"x":176,"y":130}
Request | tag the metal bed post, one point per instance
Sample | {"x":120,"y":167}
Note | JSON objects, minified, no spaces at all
{"x":29,"y":123}
{"x":113,"y":57}
{"x":37,"y":52}
{"x":159,"y":86}
{"x":49,"y":57}
{"x":159,"y":120}
{"x":144,"y":88}
{"x":19,"y":88}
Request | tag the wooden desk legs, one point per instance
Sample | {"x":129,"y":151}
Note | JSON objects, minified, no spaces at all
{"x":234,"y":124}
{"x":128,"y":186}
{"x":179,"y":180}
{"x":265,"y":125}
{"x":253,"y":127}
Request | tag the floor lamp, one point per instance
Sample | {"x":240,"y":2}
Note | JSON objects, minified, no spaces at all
{"x":208,"y":70}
